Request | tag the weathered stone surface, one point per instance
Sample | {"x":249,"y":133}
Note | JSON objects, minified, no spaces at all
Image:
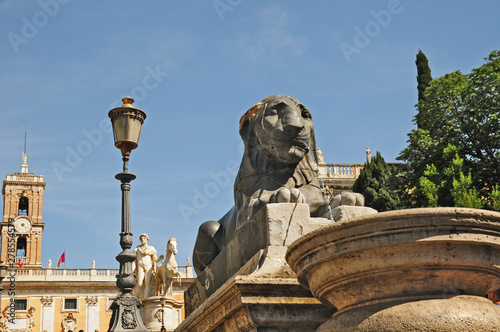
{"x":377,"y":269}
{"x":345,"y":212}
{"x":258,"y":248}
{"x":247,"y":303}
{"x":459,"y":313}
{"x":348,"y":198}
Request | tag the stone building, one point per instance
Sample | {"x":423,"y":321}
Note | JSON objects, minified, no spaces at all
{"x":50,"y":299}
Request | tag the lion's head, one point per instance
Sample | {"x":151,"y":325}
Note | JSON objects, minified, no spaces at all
{"x":278,"y":134}
{"x":280,"y":127}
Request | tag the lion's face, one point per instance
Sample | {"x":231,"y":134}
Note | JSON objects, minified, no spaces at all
{"x":279,"y":126}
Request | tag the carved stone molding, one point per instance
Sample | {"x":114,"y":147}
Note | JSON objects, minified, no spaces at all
{"x":92,"y":300}
{"x":157,"y":315}
{"x":69,"y":322}
{"x":47,"y":300}
{"x":29,"y":317}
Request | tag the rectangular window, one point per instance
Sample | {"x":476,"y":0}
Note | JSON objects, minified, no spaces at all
{"x":69,"y":304}
{"x":20,"y":304}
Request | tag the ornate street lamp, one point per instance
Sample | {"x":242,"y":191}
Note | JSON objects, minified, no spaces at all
{"x":127,"y":123}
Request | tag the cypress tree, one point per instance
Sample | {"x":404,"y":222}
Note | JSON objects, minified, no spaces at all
{"x":423,"y":74}
{"x":423,"y":79}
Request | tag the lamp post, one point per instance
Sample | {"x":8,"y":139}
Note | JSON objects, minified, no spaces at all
{"x":127,"y":123}
{"x":163,"y":300}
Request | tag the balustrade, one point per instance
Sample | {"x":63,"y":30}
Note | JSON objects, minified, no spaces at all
{"x":87,"y":274}
{"x":350,"y":171}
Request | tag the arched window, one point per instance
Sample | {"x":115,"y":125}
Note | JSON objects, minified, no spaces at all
{"x":21,"y":247}
{"x":23,"y":206}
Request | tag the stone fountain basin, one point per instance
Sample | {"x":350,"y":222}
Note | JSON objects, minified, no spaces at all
{"x":395,"y":257}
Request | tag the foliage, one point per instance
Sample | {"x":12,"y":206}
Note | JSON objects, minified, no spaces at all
{"x":449,"y":187}
{"x":463,"y":194}
{"x":423,"y":74}
{"x":376,"y":182}
{"x":458,"y":120}
{"x":427,"y":190}
{"x":494,"y":199}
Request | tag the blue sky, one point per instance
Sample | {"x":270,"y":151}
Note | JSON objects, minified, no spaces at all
{"x":195,"y":67}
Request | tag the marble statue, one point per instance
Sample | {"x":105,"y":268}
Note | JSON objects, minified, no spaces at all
{"x":166,"y":272}
{"x":49,"y":265}
{"x":368,"y":155}
{"x":278,"y":166}
{"x":145,"y":267}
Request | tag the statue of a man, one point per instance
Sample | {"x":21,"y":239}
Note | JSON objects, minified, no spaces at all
{"x":145,"y":267}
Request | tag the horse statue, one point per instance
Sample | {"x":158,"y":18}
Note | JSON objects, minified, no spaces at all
{"x":167,"y":271}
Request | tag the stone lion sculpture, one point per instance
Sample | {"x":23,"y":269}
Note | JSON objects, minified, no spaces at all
{"x":277,"y":166}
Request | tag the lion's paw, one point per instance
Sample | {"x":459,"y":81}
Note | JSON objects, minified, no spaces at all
{"x":348,"y":198}
{"x":285,"y":195}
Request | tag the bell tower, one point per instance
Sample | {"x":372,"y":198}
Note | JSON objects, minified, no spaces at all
{"x":22,"y":226}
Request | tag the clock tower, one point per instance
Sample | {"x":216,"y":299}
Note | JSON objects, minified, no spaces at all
{"x":22,"y":226}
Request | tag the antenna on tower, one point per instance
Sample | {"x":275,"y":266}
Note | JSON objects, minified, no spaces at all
{"x":25,"y":141}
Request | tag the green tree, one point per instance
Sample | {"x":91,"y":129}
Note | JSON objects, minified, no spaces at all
{"x":448,"y":187}
{"x":480,"y":124}
{"x":462,"y":111}
{"x":376,"y":182}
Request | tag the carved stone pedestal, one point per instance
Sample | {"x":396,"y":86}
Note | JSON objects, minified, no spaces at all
{"x":126,"y":316}
{"x":406,"y":270}
{"x":152,"y":316}
{"x":249,"y":286}
{"x":245,"y":303}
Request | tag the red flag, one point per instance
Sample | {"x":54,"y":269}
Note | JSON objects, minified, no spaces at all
{"x":20,"y":263}
{"x":61,"y":260}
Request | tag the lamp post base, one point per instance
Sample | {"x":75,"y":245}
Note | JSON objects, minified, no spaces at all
{"x":126,"y":316}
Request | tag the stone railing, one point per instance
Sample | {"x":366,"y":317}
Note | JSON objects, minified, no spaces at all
{"x":339,"y":171}
{"x":79,"y":274}
{"x":24,"y":177}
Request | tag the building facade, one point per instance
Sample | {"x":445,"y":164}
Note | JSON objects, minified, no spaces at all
{"x":36,"y":299}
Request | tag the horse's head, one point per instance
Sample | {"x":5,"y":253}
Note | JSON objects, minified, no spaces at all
{"x":172,"y":246}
